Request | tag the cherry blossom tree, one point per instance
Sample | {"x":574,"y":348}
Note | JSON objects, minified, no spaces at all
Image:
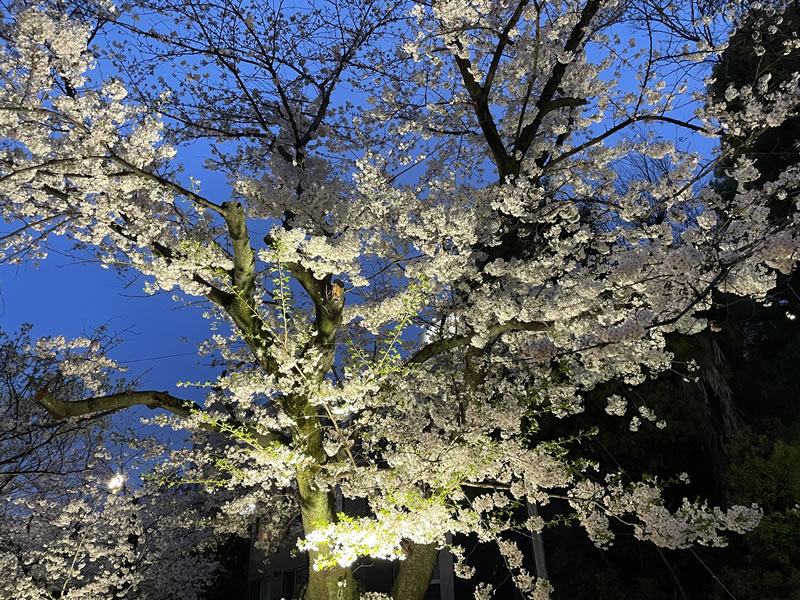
{"x":71,"y":529}
{"x":445,"y":170}
{"x":33,"y":447}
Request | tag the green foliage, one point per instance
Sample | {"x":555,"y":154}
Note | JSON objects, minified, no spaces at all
{"x":281,"y":292}
{"x":763,"y":563}
{"x":388,"y":358}
{"x":763,"y":470}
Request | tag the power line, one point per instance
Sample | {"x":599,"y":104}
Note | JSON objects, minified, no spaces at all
{"x":157,"y":357}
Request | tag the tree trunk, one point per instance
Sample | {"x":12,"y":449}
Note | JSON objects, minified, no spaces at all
{"x":317,"y":507}
{"x":415,"y":572}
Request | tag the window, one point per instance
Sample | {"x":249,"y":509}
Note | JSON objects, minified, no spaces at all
{"x":293,"y":582}
{"x":259,"y":590}
{"x":434,"y":592}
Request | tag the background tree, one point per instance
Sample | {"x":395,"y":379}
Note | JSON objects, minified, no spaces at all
{"x":446,"y":165}
{"x":70,"y":530}
{"x":34,"y":448}
{"x":733,"y":424}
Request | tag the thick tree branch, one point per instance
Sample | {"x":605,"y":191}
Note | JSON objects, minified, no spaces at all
{"x":244,"y":264}
{"x":480,"y":100}
{"x":328,"y":298}
{"x":60,"y":409}
{"x":239,"y":303}
{"x":575,"y":40}
{"x":562,"y":102}
{"x":415,"y":571}
{"x":502,"y":42}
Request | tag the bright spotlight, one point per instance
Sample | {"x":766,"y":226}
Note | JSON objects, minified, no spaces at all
{"x":116,"y":482}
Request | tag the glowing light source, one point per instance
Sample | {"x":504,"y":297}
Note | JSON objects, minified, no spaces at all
{"x":116,"y":482}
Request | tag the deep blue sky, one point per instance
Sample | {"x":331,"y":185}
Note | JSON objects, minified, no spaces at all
{"x":64,"y":297}
{"x":71,"y":297}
